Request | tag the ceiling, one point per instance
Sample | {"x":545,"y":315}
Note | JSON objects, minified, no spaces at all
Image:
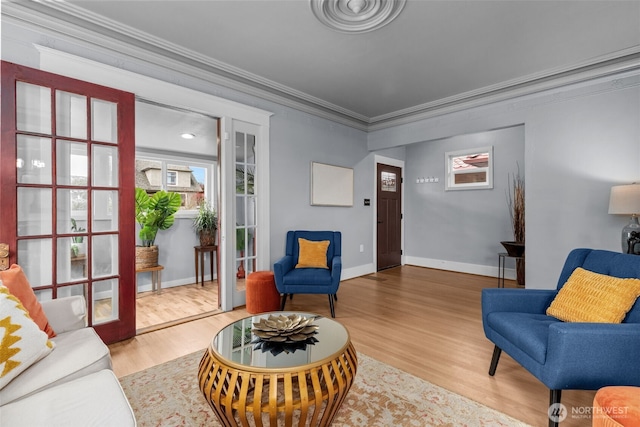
{"x":434,"y":55}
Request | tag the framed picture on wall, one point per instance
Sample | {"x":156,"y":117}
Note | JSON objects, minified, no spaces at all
{"x":331,"y":185}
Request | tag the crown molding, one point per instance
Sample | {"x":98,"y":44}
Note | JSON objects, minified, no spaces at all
{"x":615,"y":64}
{"x":104,"y":34}
{"x":78,"y":24}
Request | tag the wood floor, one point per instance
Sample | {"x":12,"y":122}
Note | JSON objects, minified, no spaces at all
{"x":426,"y":322}
{"x":175,"y":304}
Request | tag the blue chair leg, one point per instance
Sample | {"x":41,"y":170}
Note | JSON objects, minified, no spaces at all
{"x":554,"y":398}
{"x":333,"y":311}
{"x":497,"y":351}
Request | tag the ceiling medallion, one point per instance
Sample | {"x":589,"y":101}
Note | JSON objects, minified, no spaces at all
{"x":356,"y":16}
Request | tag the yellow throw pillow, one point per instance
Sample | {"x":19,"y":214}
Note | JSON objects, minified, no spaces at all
{"x":594,"y":297}
{"x":312,"y":254}
{"x":22,"y":343}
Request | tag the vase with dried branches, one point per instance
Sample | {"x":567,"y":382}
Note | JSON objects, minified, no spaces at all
{"x":515,"y":201}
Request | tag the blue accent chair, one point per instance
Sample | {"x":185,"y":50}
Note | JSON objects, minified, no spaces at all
{"x":566,"y":355}
{"x":291,"y":280}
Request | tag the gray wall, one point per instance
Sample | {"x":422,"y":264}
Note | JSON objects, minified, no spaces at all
{"x":579,"y":142}
{"x":463,"y":226}
{"x":175,"y":253}
{"x":297,"y":139}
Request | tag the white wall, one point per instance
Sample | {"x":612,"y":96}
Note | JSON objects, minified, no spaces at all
{"x":579,"y":142}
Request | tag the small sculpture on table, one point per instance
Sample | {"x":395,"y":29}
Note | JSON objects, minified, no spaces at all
{"x":278,"y":334}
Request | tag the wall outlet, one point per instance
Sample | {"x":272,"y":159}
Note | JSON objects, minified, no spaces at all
{"x":361,"y":248}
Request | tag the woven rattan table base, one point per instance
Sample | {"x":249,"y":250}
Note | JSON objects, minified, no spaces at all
{"x":307,"y":395}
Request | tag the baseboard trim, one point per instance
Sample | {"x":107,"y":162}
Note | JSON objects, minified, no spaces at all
{"x":361,"y":270}
{"x":460,"y":267}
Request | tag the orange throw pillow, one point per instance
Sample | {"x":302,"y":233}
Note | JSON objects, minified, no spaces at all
{"x":312,"y":254}
{"x":16,"y":281}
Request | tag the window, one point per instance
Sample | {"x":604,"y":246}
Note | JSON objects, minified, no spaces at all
{"x":190,"y":178}
{"x":388,"y":181}
{"x":172,"y":178}
{"x":469,"y":169}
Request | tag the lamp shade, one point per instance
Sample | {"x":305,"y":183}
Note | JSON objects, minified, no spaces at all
{"x":625,"y":199}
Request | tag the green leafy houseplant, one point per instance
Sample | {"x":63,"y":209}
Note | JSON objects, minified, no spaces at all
{"x":76,"y":240}
{"x":205,"y":223}
{"x":76,"y":229}
{"x":155,"y":212}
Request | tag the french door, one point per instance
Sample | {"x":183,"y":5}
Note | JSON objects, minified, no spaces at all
{"x":67,"y":189}
{"x":246,"y":199}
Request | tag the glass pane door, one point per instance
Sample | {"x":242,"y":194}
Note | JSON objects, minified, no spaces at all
{"x":246,"y":198}
{"x":70,"y":188}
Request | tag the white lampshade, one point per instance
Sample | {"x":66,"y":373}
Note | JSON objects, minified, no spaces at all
{"x":625,"y":199}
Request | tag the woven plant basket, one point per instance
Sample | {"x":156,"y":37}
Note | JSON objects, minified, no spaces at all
{"x":146,"y":257}
{"x":208,"y":238}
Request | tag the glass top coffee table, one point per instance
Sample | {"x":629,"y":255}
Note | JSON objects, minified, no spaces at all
{"x":266,"y":382}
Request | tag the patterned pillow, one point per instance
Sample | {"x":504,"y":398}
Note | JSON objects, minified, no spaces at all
{"x":22,"y":343}
{"x":18,"y":284}
{"x":312,"y":254}
{"x":594,"y":297}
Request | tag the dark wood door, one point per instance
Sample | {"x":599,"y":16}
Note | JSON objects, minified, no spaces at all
{"x":67,"y":189}
{"x":389,"y":216}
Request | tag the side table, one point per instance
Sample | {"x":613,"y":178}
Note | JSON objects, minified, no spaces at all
{"x":201,"y":250}
{"x":501,"y":261}
{"x":156,"y":279}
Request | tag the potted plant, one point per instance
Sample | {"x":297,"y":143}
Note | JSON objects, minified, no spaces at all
{"x":153,"y":213}
{"x":205,"y":224}
{"x":240,"y":246}
{"x":515,"y":200}
{"x":77,"y":242}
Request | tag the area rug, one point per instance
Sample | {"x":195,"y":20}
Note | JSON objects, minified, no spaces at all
{"x":381,"y":396}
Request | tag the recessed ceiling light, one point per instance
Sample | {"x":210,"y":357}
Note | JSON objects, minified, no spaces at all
{"x":188,"y":135}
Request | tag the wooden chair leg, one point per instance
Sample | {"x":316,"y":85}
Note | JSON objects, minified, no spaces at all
{"x":333,"y":311}
{"x":335,"y":297}
{"x":497,"y":351}
{"x":555,"y":412}
{"x":283,"y":301}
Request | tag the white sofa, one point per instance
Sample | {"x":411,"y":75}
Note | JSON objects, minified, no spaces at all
{"x":74,"y":384}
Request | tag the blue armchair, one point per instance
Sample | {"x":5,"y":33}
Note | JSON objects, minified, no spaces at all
{"x":566,"y":355}
{"x":291,"y":280}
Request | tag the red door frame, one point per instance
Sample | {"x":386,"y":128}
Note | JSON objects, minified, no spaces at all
{"x":124,"y":327}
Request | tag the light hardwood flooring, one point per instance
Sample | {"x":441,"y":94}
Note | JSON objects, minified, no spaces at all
{"x":426,"y":322}
{"x":172,"y":305}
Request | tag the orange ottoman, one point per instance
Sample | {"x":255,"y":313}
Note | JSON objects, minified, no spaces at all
{"x":617,"y":406}
{"x":262,"y":295}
